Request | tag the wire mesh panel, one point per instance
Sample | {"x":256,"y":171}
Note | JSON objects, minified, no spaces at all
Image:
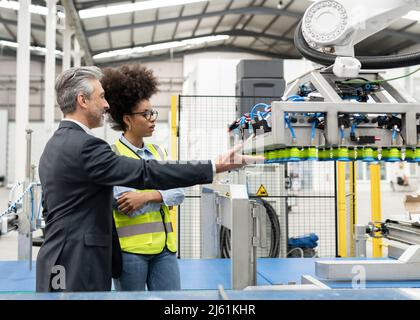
{"x":202,"y":135}
{"x":311,"y":203}
{"x":272,"y":178}
{"x":303,"y":193}
{"x":189,"y":234}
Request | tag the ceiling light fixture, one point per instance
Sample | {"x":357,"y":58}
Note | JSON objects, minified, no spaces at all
{"x":4,"y":43}
{"x":132,"y":7}
{"x":14,"y":5}
{"x":159,"y":46}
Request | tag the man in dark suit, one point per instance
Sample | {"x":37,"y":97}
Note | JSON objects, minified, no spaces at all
{"x":77,"y":173}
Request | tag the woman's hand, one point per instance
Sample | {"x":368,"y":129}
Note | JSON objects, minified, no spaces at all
{"x":132,"y":201}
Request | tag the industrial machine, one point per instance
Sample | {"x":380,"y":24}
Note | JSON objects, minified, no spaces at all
{"x":347,"y":110}
{"x":234,"y":226}
{"x":401,"y":234}
{"x":225,"y":205}
{"x":404,"y":248}
{"x":343,"y":110}
{"x":24,"y":210}
{"x":259,"y":78}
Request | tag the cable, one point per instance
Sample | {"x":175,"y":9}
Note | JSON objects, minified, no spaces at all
{"x":292,"y":97}
{"x":295,"y":98}
{"x":302,"y":254}
{"x":313,"y":130}
{"x":314,"y":124}
{"x":402,"y":138}
{"x":353,"y":128}
{"x":379,"y":81}
{"x":266,"y":114}
{"x":394,"y":134}
{"x":368,"y":62}
{"x":17,"y":184}
{"x":228,"y":242}
{"x":342,"y":133}
{"x":289,"y":125}
{"x":275,"y":229}
{"x":224,"y":243}
{"x":221,"y":241}
{"x":255,"y":107}
{"x":225,"y":234}
{"x":13,"y":206}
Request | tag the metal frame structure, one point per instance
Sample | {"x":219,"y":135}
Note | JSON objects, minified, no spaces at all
{"x":173,"y":135}
{"x":346,"y":207}
{"x":407,"y":267}
{"x":401,"y":235}
{"x":20,"y":214}
{"x":375,"y":199}
{"x":388,"y":101}
{"x":342,"y":210}
{"x":229,"y":206}
{"x":258,"y":20}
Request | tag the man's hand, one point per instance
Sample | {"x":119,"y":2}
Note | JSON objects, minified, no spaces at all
{"x":233,"y":159}
{"x":132,"y":201}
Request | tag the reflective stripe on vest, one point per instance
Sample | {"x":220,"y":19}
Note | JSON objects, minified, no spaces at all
{"x":146,"y":233}
{"x":143,"y":228}
{"x":162,"y":156}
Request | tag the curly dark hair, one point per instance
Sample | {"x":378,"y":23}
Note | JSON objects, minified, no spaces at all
{"x":124,"y":87}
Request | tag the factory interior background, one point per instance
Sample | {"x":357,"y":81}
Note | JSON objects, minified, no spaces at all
{"x":196,"y":50}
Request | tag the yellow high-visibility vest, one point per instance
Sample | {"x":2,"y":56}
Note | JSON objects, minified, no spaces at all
{"x":150,"y":232}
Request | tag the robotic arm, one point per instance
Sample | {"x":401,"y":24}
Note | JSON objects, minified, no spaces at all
{"x":336,"y":26}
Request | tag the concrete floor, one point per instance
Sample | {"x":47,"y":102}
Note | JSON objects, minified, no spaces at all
{"x":392,"y":208}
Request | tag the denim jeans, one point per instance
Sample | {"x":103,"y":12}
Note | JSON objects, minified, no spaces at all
{"x":157,"y":271}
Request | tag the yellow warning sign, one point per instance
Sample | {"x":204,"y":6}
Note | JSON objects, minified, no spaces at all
{"x":262,"y":192}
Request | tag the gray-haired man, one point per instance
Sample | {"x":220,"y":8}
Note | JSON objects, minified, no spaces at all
{"x":77,"y":173}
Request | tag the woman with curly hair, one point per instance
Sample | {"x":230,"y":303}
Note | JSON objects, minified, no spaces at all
{"x":142,"y":217}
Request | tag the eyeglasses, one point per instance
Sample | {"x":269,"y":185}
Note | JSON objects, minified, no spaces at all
{"x":150,"y":115}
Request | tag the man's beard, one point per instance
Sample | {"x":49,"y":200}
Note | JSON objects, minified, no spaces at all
{"x":96,"y":119}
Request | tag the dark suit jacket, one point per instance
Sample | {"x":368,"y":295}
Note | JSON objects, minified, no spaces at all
{"x":77,"y":173}
{"x":116,"y":263}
